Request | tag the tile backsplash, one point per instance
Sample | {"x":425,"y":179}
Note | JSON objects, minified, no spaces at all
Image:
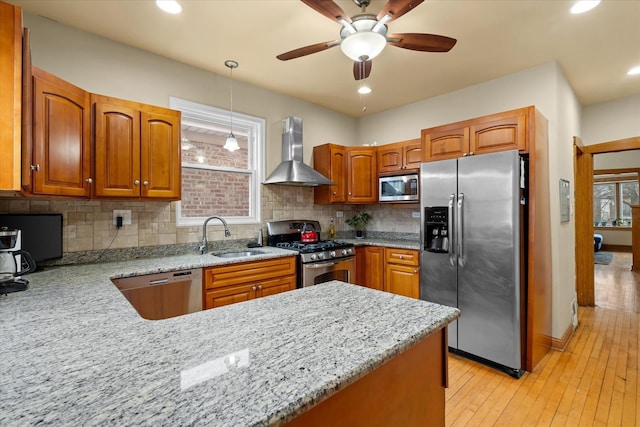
{"x":88,"y":224}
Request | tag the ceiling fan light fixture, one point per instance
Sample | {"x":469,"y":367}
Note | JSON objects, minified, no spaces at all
{"x":364,"y":90}
{"x":363,"y":45}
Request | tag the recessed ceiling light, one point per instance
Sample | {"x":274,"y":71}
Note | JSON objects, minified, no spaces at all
{"x":169,"y":6}
{"x":634,"y":71}
{"x":584,"y":6}
{"x":364,"y":90}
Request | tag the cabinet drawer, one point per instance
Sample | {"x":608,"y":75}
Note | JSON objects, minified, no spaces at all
{"x":402,"y":256}
{"x":248,"y":272}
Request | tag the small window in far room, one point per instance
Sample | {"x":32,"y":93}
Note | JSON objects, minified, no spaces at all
{"x":216,"y":181}
{"x":613,"y":197}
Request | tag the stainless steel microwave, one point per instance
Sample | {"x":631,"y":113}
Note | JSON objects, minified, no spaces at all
{"x":398,"y":188}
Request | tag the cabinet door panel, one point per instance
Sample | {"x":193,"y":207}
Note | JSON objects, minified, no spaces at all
{"x":362,"y":184}
{"x":413,"y":156}
{"x":276,"y":286}
{"x":446,"y":142}
{"x":229,"y":295}
{"x":160,"y":161}
{"x":331,"y":161}
{"x":117,"y":150}
{"x":374,"y":272}
{"x":402,"y":280}
{"x":499,"y":132}
{"x":62,"y":137}
{"x":390,"y":158}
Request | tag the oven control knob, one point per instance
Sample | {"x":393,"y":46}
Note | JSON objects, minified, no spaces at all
{"x":320,"y":255}
{"x":313,"y":256}
{"x":344,"y":252}
{"x":333,"y":254}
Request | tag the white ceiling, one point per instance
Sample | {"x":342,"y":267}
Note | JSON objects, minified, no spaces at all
{"x":495,"y":38}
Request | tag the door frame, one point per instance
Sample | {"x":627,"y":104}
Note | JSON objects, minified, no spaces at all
{"x":583,"y":178}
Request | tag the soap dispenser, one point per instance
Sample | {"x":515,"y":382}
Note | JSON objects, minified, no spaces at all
{"x":332,"y":229}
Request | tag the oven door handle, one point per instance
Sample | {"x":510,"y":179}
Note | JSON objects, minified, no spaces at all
{"x":321,"y":265}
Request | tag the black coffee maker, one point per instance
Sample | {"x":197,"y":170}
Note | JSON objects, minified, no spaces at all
{"x":14,"y":262}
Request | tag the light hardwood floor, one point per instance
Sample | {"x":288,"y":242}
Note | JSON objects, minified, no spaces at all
{"x":593,"y":382}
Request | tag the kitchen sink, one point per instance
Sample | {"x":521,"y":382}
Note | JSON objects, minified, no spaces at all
{"x":238,"y":254}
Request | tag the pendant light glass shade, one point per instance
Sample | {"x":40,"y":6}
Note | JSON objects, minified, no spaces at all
{"x":231,"y":143}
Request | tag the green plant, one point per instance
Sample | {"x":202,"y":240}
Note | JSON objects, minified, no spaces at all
{"x":359,"y":221}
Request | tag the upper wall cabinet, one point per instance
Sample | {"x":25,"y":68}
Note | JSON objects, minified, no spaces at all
{"x":10,"y":95}
{"x":61,"y":163}
{"x":352,"y":169}
{"x":497,"y":132}
{"x":399,"y":156}
{"x":137,"y":150}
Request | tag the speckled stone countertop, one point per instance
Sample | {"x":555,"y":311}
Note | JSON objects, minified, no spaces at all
{"x":389,"y":243}
{"x":74,"y":352}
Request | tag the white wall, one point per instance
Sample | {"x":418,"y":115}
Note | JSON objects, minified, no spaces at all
{"x":545,"y":87}
{"x":102,"y":66}
{"x":612,"y":120}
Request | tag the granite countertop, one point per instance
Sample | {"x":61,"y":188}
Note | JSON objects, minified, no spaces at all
{"x":74,"y":351}
{"x":389,"y":243}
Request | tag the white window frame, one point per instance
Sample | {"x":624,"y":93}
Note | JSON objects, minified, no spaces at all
{"x":254,"y":128}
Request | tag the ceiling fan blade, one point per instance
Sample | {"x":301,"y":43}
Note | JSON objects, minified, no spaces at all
{"x":329,"y":9}
{"x":307,"y":50}
{"x":397,"y":8}
{"x":421,"y":42}
{"x":361,"y":69}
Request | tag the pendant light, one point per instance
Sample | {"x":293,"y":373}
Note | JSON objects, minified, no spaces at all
{"x":231,"y":143}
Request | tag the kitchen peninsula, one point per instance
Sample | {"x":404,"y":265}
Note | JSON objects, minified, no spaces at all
{"x":75,"y":352}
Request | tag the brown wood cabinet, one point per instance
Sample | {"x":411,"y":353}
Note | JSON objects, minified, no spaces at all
{"x":137,"y":150}
{"x":362,"y":176}
{"x":352,"y":169}
{"x":370,"y":266}
{"x":635,"y":238}
{"x":402,"y":272}
{"x":399,"y":156}
{"x":488,"y":134}
{"x":61,"y":163}
{"x":11,"y":96}
{"x":232,"y":283}
{"x":331,"y":161}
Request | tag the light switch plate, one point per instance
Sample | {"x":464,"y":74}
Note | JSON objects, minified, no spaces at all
{"x":415,"y":214}
{"x":339,"y":214}
{"x":125,"y":214}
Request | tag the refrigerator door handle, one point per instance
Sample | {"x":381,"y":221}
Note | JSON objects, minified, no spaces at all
{"x":450,"y":232}
{"x":460,"y":229}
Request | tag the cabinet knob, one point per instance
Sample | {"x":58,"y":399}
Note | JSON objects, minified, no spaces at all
{"x":35,"y":168}
{"x":471,"y":153}
{"x":145,"y":183}
{"x":334,"y":193}
{"x":464,"y":154}
{"x":415,"y":271}
{"x":259,"y":286}
{"x":136,"y":182}
{"x":89,"y":181}
{"x":401,"y":257}
{"x":254,"y":288}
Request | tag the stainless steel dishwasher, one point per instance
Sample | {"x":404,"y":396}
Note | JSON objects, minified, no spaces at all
{"x":164,"y":295}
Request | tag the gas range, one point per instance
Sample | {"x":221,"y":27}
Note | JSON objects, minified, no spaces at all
{"x":319,"y":251}
{"x":287,"y":235}
{"x":319,"y":261}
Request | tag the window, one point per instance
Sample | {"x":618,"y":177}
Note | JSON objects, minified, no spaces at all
{"x":612,"y":201}
{"x":216,"y":181}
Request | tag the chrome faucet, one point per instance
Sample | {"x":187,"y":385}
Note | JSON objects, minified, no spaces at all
{"x":203,"y":246}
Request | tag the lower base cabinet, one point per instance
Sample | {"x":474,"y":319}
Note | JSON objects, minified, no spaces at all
{"x":233,"y":283}
{"x":402,"y":272}
{"x":389,"y":269}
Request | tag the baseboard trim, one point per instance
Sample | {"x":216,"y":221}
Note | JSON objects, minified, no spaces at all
{"x":562,"y":343}
{"x":617,"y":248}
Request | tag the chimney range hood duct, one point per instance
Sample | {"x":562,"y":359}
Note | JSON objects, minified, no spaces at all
{"x":292,"y":170}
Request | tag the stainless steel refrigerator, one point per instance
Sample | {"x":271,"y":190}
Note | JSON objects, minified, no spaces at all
{"x":471,"y":244}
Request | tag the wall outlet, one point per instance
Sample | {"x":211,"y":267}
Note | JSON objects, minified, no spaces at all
{"x":415,"y":214}
{"x":125,"y":214}
{"x":339,"y":214}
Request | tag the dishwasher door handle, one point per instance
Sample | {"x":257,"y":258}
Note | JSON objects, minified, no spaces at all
{"x":158,"y":282}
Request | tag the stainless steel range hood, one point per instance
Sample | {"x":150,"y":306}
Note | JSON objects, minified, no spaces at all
{"x":292,"y":170}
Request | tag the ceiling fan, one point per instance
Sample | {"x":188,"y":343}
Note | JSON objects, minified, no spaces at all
{"x":364,"y":36}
